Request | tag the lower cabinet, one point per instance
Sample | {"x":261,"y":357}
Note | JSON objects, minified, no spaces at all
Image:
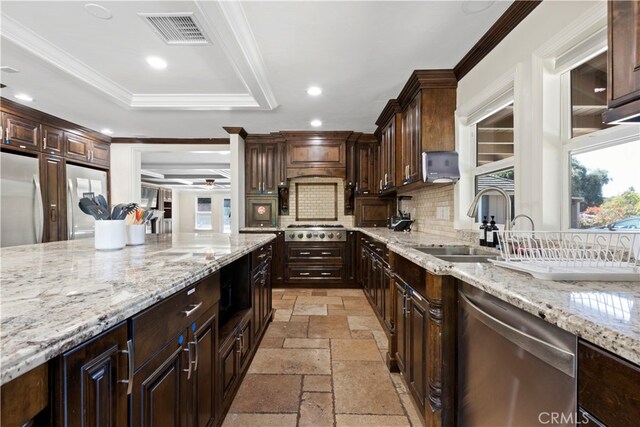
{"x":233,"y":359}
{"x":204,"y":389}
{"x":93,"y":381}
{"x":415,"y":370}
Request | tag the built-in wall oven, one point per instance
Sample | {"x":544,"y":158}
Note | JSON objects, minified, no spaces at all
{"x":514,"y":369}
{"x":315,"y":254}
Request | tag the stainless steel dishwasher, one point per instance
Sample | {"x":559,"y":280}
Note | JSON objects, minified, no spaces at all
{"x":514,"y":369}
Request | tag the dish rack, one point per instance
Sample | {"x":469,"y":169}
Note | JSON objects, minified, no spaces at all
{"x":572,"y":255}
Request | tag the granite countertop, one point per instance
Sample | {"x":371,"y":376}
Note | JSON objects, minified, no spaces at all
{"x":259,"y":229}
{"x":55,"y":296}
{"x":604,"y":313}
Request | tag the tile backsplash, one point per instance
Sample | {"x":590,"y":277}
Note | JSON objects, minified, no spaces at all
{"x":432,"y":209}
{"x":316,"y":200}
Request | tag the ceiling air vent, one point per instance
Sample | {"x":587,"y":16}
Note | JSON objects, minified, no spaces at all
{"x":7,"y":69}
{"x":176,"y":28}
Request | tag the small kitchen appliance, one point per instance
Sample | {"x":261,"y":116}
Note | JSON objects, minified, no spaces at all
{"x":403,"y":221}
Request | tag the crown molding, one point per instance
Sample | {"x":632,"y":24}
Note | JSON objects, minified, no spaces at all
{"x":236,"y":131}
{"x":236,"y":39}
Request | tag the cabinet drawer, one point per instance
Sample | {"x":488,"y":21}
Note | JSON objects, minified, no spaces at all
{"x":324,"y":272}
{"x":608,"y":386}
{"x":155,"y":326}
{"x":307,"y":254}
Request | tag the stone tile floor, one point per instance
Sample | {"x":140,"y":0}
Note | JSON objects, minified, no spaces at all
{"x":321,"y":363}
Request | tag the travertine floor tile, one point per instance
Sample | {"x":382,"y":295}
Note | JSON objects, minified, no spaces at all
{"x":352,"y":303}
{"x":366,"y":323}
{"x":328,"y":327}
{"x":286,"y":330}
{"x":350,"y":349}
{"x":310,"y":309}
{"x":398,"y":382}
{"x":411,"y":409}
{"x":318,"y":300}
{"x":298,"y":292}
{"x":344,"y":420}
{"x":268,"y":393}
{"x":296,"y":318}
{"x":381,"y":339}
{"x":316,"y":409}
{"x":361,"y":335}
{"x":271,"y":342}
{"x":284,"y":303}
{"x":306,"y":343}
{"x":262,"y":420}
{"x":349,"y":312}
{"x":319,"y":293}
{"x":317,"y":383}
{"x":282,"y":315}
{"x":363,"y":387}
{"x":291,"y":361}
{"x":345,"y":293}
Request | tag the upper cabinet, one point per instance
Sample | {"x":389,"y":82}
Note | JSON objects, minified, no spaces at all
{"x":20,"y":132}
{"x":428,"y":103}
{"x":389,"y":126}
{"x":263,"y":162}
{"x":623,"y":62}
{"x":86,"y":150}
{"x":366,"y":165}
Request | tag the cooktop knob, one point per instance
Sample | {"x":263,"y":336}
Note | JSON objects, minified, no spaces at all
{"x":321,"y":235}
{"x":339,"y":235}
{"x":330,"y":235}
{"x":300,"y":235}
{"x":309,"y":235}
{"x":292,"y":235}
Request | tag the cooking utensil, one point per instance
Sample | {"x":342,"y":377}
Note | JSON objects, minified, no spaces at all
{"x":89,"y":207}
{"x":102,"y":202}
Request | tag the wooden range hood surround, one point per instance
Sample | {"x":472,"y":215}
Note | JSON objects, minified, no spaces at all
{"x":316,"y":153}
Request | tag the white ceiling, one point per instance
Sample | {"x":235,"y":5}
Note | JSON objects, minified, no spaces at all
{"x":254,"y":74}
{"x":187,"y":169}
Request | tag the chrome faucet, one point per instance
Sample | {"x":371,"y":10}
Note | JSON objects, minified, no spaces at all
{"x":513,"y":222}
{"x":473,"y":209}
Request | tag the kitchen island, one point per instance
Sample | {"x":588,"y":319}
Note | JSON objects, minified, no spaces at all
{"x":56,"y":296}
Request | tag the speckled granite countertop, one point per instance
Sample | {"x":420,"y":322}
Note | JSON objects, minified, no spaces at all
{"x":261,"y":229}
{"x":604,"y":313}
{"x":55,"y":296}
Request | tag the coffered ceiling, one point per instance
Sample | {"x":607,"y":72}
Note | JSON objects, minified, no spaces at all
{"x":259,"y":59}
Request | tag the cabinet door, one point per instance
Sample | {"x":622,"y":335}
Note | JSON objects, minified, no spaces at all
{"x":160,"y":387}
{"x":261,"y":211}
{"x":366,"y":169}
{"x":265,"y":299}
{"x":400,"y":324}
{"x":256,"y":298}
{"x":417,"y":360}
{"x":378,"y":273}
{"x":203,"y":388}
{"x":246,"y":342}
{"x":228,"y":369}
{"x":388,"y":180}
{"x":77,"y":147}
{"x":411,"y":141}
{"x":351,"y":257}
{"x":53,"y":183}
{"x":270,"y":167}
{"x":277,"y":263}
{"x":20,"y":132}
{"x":52,"y":140}
{"x":253,"y":168}
{"x":100,"y":153}
{"x":387,"y":290}
{"x":624,"y":53}
{"x":93,"y":393}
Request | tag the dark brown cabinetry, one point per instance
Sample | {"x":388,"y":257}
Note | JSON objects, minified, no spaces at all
{"x":261,"y":211}
{"x":234,"y":356}
{"x":52,"y":177}
{"x":316,"y":153}
{"x":428,"y":103}
{"x":366,"y":167}
{"x":376,"y":275}
{"x":373,"y":211}
{"x":623,"y":75}
{"x":94,"y":381}
{"x":86,"y":150}
{"x":263,"y":168}
{"x":261,"y":288}
{"x":20,"y":132}
{"x":52,"y":140}
{"x":203,"y":392}
{"x":311,"y":264}
{"x":608,"y":387}
{"x":389,"y":140}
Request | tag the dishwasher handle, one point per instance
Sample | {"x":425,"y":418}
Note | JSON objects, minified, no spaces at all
{"x":559,"y":358}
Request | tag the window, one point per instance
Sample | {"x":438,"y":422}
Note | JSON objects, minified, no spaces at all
{"x":226,"y":216}
{"x":203,"y":213}
{"x":601,"y":168}
{"x":494,"y":143}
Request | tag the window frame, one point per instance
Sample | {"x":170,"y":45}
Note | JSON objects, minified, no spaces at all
{"x":198,"y":212}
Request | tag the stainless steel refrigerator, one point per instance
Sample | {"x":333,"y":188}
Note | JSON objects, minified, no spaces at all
{"x":21,"y":205}
{"x":82,"y":182}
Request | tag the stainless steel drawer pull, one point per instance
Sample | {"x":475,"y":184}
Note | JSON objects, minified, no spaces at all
{"x":188,"y":313}
{"x":325,"y":274}
{"x":304,"y":274}
{"x":129,"y":353}
{"x":325,"y":253}
{"x":305,"y":253}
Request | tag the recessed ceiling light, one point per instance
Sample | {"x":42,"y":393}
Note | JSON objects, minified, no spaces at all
{"x":475,"y":6}
{"x":314,"y":91}
{"x":98,"y":11}
{"x":107,"y":131}
{"x":24,"y":97}
{"x":316,"y":123}
{"x":156,"y":62}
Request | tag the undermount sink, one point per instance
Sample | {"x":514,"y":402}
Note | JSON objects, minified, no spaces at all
{"x":459,"y":253}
